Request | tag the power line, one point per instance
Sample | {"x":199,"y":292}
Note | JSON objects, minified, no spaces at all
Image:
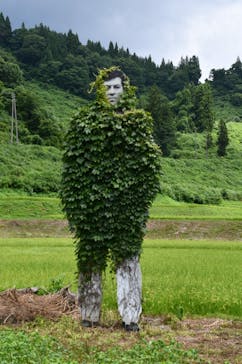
{"x":14,"y":120}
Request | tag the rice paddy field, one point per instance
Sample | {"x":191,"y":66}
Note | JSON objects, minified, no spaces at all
{"x":197,"y":277}
{"x":185,"y":280}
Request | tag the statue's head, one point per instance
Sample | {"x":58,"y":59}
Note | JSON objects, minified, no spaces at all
{"x":114,"y":83}
{"x":113,"y":89}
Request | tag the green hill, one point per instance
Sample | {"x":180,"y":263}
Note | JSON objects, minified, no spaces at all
{"x":202,"y":180}
{"x":193,"y":174}
{"x":193,"y":145}
{"x":37,"y":169}
{"x":54,"y":105}
{"x":48,"y":71}
{"x":30,"y":168}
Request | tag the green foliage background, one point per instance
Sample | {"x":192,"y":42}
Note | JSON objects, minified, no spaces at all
{"x":184,"y":124}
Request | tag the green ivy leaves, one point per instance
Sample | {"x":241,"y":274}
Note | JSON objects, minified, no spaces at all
{"x":110,"y":177}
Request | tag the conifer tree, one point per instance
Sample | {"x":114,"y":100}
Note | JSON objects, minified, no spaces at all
{"x":209,"y":142}
{"x":223,"y":139}
{"x":164,"y":125}
{"x":72,"y":42}
{"x":182,"y":107}
{"x":5,"y":30}
{"x":203,"y":108}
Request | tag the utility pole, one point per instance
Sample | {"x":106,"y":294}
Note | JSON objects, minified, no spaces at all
{"x":14,"y":120}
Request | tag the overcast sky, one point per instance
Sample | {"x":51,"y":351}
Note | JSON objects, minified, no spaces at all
{"x":169,"y":29}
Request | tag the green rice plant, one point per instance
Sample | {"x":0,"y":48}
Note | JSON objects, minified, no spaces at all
{"x":44,"y":263}
{"x":201,"y":277}
{"x":191,"y":277}
{"x":188,"y":277}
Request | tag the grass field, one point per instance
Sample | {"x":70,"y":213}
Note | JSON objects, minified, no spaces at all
{"x":166,"y":208}
{"x":14,"y":206}
{"x":184,"y":281}
{"x":195,"y":277}
{"x":27,"y":207}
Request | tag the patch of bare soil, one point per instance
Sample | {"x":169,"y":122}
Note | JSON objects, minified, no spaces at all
{"x":168,"y":229}
{"x":216,"y":340}
{"x":195,"y":229}
{"x":33,"y":228}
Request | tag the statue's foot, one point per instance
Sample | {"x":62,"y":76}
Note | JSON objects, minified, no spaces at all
{"x":87,"y":323}
{"x":131,"y":327}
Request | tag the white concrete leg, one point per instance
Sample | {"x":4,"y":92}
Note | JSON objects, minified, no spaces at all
{"x":90,"y":296}
{"x":129,"y":290}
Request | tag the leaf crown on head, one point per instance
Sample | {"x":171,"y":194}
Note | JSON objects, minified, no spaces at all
{"x":127,"y":99}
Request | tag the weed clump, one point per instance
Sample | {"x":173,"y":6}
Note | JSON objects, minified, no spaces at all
{"x":28,"y":348}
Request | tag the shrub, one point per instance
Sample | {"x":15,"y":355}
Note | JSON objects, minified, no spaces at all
{"x":193,"y":194}
{"x":236,"y":99}
{"x":231,"y":195}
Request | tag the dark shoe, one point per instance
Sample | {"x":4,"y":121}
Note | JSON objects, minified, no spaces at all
{"x":131,"y":327}
{"x":87,"y":323}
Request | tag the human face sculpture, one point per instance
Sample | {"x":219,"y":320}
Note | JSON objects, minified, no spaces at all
{"x":114,"y":90}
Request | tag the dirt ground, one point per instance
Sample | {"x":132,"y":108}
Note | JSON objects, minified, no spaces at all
{"x":216,"y":340}
{"x":162,"y":229}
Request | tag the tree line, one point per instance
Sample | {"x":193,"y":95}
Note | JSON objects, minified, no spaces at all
{"x":173,"y":94}
{"x":61,"y":59}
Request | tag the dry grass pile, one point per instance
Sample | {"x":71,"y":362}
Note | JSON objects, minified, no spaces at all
{"x":17,"y":306}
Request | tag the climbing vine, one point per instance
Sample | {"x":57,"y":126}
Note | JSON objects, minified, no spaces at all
{"x":110,"y":177}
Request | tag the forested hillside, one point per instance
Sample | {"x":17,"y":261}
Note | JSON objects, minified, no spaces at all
{"x":48,"y":74}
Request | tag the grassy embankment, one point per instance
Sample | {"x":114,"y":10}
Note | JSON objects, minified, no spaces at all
{"x":17,"y":206}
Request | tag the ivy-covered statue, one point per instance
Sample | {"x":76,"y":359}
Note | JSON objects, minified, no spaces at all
{"x":110,"y":177}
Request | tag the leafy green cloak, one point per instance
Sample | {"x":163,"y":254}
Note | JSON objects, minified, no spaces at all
{"x":110,"y":177}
